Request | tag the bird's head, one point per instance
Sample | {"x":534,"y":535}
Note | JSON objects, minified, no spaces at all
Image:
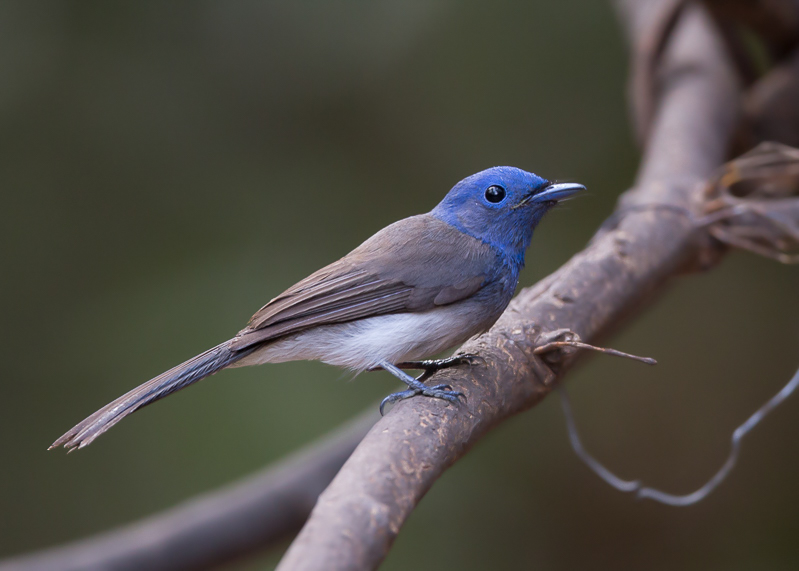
{"x":502,"y":206}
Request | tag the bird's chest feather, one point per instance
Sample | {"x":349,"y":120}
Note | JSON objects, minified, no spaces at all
{"x":362,"y":344}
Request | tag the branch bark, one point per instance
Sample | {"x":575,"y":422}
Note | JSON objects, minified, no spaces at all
{"x":358,"y":516}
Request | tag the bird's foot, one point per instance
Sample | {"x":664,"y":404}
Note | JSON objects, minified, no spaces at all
{"x":417,"y":386}
{"x":444,"y":392}
{"x":431,"y":366}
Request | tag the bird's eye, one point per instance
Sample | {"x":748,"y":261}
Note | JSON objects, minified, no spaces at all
{"x":495,"y":194}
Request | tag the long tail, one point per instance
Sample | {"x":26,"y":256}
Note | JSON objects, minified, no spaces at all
{"x":193,"y":370}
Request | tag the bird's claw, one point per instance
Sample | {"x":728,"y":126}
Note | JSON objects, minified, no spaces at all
{"x":447,"y":395}
{"x":443,"y":392}
{"x":396,"y":397}
{"x":471,"y":359}
{"x":440,"y":388}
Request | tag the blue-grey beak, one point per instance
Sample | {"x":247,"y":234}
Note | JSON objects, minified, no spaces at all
{"x":556,"y":192}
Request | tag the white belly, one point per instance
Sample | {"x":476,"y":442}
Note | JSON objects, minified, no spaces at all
{"x":362,"y":344}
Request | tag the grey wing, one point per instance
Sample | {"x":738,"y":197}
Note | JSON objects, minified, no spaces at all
{"x":413,"y":265}
{"x":408,"y":266}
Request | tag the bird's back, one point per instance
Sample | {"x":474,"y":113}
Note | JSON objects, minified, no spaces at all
{"x":415,"y":265}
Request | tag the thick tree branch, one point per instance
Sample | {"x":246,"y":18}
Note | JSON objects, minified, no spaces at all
{"x":776,"y":23}
{"x":358,"y":516}
{"x":688,"y":140}
{"x":217,"y":527}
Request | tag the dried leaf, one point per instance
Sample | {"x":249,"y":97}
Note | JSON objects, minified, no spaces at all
{"x":753,"y":202}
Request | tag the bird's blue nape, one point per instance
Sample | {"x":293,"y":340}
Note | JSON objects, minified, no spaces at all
{"x":497,"y":206}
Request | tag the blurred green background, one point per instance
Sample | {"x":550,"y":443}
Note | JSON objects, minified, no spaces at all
{"x":166,"y":168}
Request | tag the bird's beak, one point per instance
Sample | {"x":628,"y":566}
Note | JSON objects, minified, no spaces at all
{"x":556,"y":192}
{"x":551,"y":193}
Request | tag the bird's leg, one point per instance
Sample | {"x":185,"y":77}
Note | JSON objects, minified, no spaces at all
{"x":430,"y":366}
{"x":416,"y":387}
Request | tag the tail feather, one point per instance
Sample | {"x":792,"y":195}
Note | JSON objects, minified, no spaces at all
{"x":193,"y":370}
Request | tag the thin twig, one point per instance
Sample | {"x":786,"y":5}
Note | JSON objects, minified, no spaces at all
{"x":642,"y":491}
{"x":580,"y":345}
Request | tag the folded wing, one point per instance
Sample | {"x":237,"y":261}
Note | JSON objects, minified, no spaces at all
{"x":413,"y":265}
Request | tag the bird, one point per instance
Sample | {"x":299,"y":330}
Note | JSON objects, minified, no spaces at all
{"x":416,"y":288}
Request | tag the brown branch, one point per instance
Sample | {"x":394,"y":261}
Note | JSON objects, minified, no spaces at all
{"x":217,"y":527}
{"x":196,"y":534}
{"x":771,"y":109}
{"x":358,"y":516}
{"x":775,"y":22}
{"x":553,"y":345}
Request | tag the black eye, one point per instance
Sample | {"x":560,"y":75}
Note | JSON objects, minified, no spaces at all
{"x":495,"y":194}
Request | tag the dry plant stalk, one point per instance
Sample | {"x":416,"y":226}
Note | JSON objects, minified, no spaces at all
{"x":753,"y":202}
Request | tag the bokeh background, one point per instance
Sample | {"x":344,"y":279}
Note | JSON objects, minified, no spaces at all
{"x":166,"y":168}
